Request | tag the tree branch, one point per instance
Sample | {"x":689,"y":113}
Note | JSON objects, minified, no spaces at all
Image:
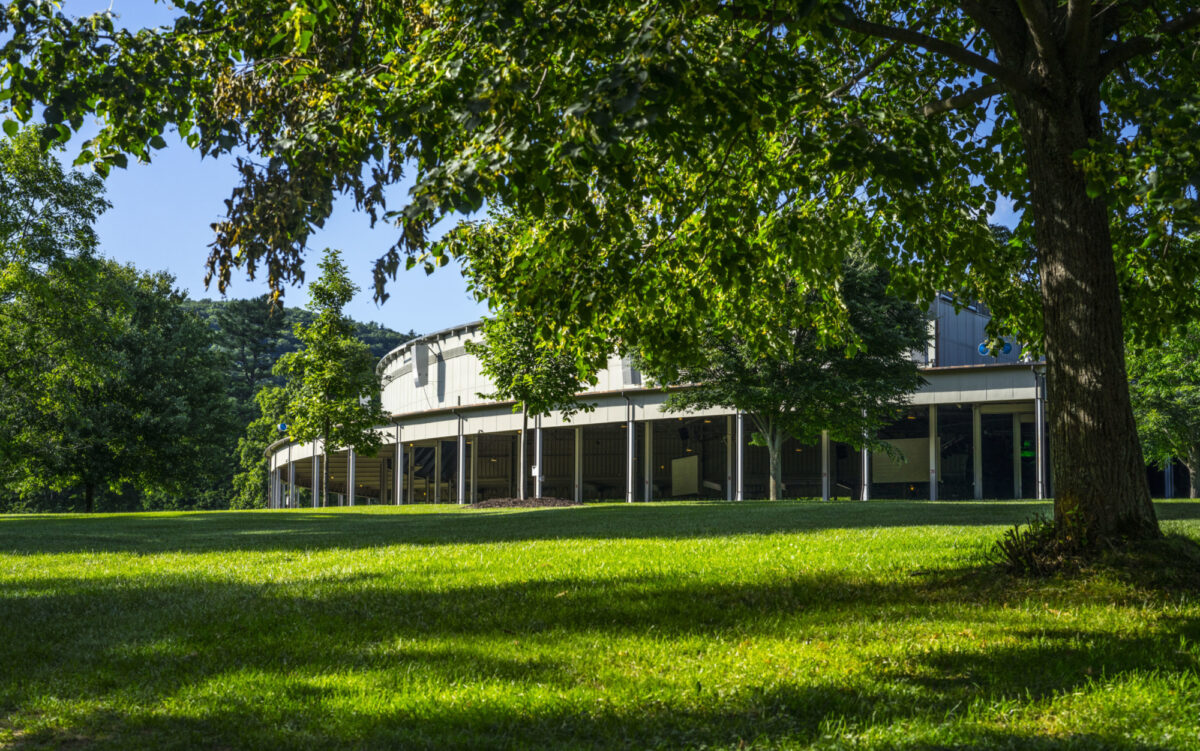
{"x":1079,"y":18}
{"x":971,"y":96}
{"x":867,"y":70}
{"x":1009,"y":78}
{"x":1143,"y":45}
{"x":1038,"y":23}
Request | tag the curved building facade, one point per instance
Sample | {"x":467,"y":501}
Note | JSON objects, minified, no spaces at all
{"x":975,"y":430}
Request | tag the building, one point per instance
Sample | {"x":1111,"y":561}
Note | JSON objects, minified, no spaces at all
{"x":975,"y":430}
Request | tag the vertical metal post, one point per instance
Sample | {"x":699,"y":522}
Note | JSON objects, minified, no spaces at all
{"x":578,"y":465}
{"x":351,"y":477}
{"x":630,"y":452}
{"x":474,"y":451}
{"x":291,"y":494}
{"x":825,"y":484}
{"x":437,"y":471}
{"x":648,"y":469}
{"x":1039,"y":429}
{"x":538,"y":470}
{"x":412,"y":474}
{"x":1016,"y":455}
{"x":740,"y":458}
{"x":977,"y":450}
{"x":316,"y":478}
{"x":522,"y":472}
{"x":865,"y":458}
{"x":935,"y":452}
{"x":1169,"y":479}
{"x":729,"y":441}
{"x":399,"y":468}
{"x":461,"y":464}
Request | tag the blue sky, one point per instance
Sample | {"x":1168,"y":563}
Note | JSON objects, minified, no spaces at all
{"x":162,"y":213}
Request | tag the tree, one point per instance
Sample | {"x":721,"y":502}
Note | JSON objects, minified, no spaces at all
{"x":104,"y":380}
{"x":1164,"y":383}
{"x":331,"y":388}
{"x":249,"y":330}
{"x":147,"y":407}
{"x":661,"y":154}
{"x":252,"y":483}
{"x":527,"y":370}
{"x":808,"y":385}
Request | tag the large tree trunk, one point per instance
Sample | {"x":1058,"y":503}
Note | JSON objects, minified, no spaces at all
{"x":1099,"y":475}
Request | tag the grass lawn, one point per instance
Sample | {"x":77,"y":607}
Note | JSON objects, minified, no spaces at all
{"x":695,"y":625}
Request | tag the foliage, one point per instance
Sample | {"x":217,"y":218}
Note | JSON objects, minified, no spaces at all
{"x":1164,"y":383}
{"x":332,"y":389}
{"x":106,"y":382}
{"x":662,"y":160}
{"x":805,"y":385}
{"x":248,"y":331}
{"x":147,"y":408}
{"x":251,"y":485}
{"x":525,"y":369}
{"x":866,"y":626}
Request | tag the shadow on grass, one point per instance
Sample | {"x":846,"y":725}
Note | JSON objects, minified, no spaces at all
{"x":260,"y":666}
{"x":347,"y":528}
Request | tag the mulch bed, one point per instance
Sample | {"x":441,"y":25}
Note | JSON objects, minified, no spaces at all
{"x":527,"y":503}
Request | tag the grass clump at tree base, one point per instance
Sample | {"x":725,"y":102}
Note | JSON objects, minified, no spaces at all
{"x":691,"y":625}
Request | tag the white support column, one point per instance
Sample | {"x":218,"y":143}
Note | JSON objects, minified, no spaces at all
{"x":538,"y":471}
{"x":630,"y":453}
{"x":351,"y":477}
{"x":825,"y":479}
{"x":740,"y":458}
{"x":1169,"y":479}
{"x":977,"y":450}
{"x":474,"y":451}
{"x":437,"y":471}
{"x":935,"y":452}
{"x":729,"y":441}
{"x":1016,"y":455}
{"x":648,"y":469}
{"x":1039,"y":429}
{"x":291,"y":494}
{"x":522,"y":472}
{"x":412,"y":474}
{"x":461,"y":465}
{"x":865,"y":458}
{"x":316,"y":478}
{"x":865,"y":469}
{"x":273,"y":489}
{"x":398,"y":469}
{"x":578,"y":467}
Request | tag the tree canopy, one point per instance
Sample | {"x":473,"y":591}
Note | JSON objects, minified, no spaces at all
{"x":805,"y":385}
{"x":662,"y":158}
{"x":1165,"y":386}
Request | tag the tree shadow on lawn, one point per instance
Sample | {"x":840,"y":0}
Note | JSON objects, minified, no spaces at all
{"x":351,"y":529}
{"x":277,"y":666}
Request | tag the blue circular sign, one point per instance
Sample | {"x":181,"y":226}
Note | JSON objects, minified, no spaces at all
{"x":283,"y":427}
{"x":1007,"y":348}
{"x":983,"y":348}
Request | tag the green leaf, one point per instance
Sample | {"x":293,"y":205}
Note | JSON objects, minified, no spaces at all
{"x":11,"y":127}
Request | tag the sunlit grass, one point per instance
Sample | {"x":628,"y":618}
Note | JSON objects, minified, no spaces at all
{"x":755,"y":625}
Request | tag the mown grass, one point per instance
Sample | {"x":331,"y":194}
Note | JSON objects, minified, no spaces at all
{"x":756,"y":625}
